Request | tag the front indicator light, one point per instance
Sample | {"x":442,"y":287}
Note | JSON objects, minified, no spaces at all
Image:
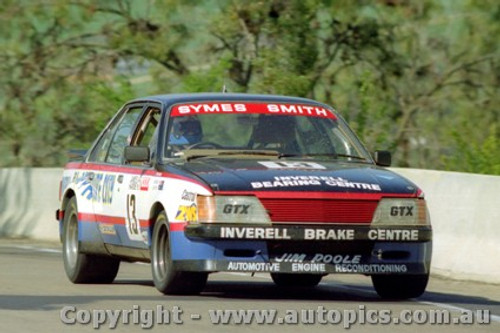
{"x":231,"y":209}
{"x":395,"y":211}
{"x":206,"y":208}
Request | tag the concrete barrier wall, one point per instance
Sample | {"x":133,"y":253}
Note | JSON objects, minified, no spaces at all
{"x":29,"y":198}
{"x":465,"y":212}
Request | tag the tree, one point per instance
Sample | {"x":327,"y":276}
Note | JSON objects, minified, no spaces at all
{"x":419,"y":78}
{"x":56,"y":67}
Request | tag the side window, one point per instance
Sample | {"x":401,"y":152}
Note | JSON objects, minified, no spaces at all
{"x":121,"y":137}
{"x":101,"y":149}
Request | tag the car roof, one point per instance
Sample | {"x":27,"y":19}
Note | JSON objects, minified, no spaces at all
{"x":198,"y":97}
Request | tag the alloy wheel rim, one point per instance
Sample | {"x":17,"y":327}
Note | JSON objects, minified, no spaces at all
{"x":161,"y":253}
{"x":72,"y":241}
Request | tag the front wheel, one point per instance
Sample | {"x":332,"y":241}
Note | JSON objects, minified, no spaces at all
{"x":81,"y":267}
{"x":296,"y":280}
{"x":400,"y":286}
{"x":166,"y":278}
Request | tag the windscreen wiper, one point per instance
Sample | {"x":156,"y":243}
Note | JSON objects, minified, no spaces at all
{"x":334,"y":156}
{"x":250,"y":152}
{"x":308,"y":155}
{"x":352,"y":156}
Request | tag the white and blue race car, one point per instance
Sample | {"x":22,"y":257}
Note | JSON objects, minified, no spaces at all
{"x":202,"y":183}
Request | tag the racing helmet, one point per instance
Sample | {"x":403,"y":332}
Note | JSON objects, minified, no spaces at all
{"x":186,"y":130}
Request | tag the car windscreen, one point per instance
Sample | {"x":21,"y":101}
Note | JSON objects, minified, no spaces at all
{"x":288,"y":129}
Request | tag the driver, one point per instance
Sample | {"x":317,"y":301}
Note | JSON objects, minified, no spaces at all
{"x":185,"y":131}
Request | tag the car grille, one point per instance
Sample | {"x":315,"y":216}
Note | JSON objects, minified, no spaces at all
{"x":320,"y":210}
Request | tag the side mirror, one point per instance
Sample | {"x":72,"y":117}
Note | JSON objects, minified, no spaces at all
{"x":136,"y":154}
{"x":383,"y":158}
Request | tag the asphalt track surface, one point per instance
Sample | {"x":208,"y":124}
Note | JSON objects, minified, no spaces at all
{"x":34,"y":290}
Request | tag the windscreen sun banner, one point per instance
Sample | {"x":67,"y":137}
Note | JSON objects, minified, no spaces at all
{"x":258,"y":108}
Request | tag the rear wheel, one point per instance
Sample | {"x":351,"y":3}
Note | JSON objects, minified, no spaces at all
{"x":400,"y":286}
{"x":166,"y":278}
{"x":81,"y":267}
{"x":296,"y":280}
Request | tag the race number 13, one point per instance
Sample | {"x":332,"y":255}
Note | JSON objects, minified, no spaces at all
{"x":133,"y":227}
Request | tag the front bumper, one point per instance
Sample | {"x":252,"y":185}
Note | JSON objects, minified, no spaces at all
{"x":311,"y":249}
{"x":290,"y":232}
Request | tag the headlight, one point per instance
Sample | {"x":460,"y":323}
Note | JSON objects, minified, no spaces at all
{"x":393,"y":211}
{"x":231,"y":209}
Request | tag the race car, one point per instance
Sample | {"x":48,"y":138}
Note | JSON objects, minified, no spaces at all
{"x":218,"y":182}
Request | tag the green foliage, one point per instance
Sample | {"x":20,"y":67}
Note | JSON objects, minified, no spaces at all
{"x":373,"y":122}
{"x":210,"y":79}
{"x":409,"y":76}
{"x":476,"y":157}
{"x":279,"y":78}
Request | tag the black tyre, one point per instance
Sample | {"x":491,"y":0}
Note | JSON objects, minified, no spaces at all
{"x":296,"y":280}
{"x":166,"y":278}
{"x":81,"y":267}
{"x":400,"y":286}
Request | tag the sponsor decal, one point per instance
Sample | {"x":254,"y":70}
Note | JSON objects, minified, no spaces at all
{"x":145,"y":183}
{"x":291,"y":257}
{"x":254,"y":233}
{"x":323,"y":234}
{"x":309,"y":267}
{"x":107,"y":229}
{"x":371,"y":268}
{"x":331,"y":234}
{"x":235,"y":209}
{"x":84,"y":185}
{"x":105,"y":188}
{"x":393,"y":235}
{"x":292,"y":165}
{"x":138,"y":183}
{"x":259,"y":108}
{"x":253,"y":266}
{"x":299,"y":181}
{"x":319,"y":258}
{"x":135,"y":183}
{"x":401,"y":211}
{"x":97,"y":187}
{"x":157,"y":185}
{"x":188,"y":196}
{"x":187,"y":213}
